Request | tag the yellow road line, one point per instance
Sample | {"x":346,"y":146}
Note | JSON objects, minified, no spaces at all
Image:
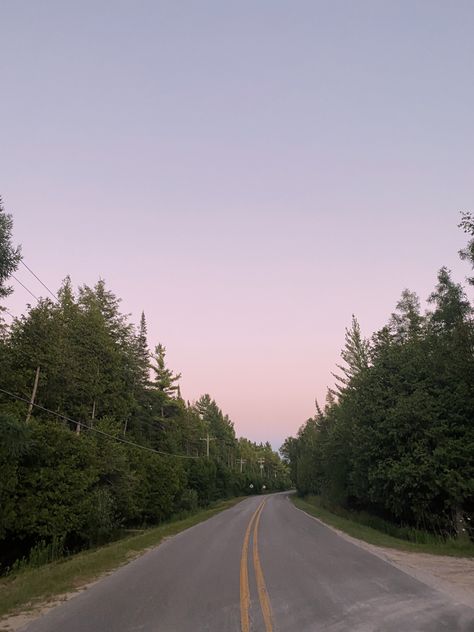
{"x":244,"y":577}
{"x":261,"y":587}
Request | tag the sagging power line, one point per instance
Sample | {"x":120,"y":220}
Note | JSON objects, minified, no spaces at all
{"x":38,"y":279}
{"x":81,"y":424}
{"x":24,"y":286}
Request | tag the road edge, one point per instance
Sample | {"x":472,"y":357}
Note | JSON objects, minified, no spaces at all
{"x":459,"y":594}
{"x":27,"y":612}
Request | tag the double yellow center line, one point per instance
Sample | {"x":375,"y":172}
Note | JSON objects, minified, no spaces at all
{"x":244,"y":577}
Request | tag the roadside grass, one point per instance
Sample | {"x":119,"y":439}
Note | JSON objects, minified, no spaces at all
{"x":29,"y":587}
{"x":373,"y":530}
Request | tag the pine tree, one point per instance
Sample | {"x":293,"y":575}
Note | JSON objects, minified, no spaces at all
{"x":356,"y":356}
{"x":10,"y":256}
{"x":143,"y":353}
{"x":164,"y":378}
{"x":467,"y":253}
{"x":451,"y":304}
{"x":407,"y":321}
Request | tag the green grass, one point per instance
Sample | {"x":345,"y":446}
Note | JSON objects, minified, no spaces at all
{"x":352,"y":523}
{"x":29,"y":587}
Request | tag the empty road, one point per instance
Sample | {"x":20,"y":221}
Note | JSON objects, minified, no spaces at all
{"x":261,"y":565}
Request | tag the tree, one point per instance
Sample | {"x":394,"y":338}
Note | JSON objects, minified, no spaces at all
{"x":451,"y":304}
{"x":218,"y":425}
{"x":10,"y":256}
{"x":398,"y":440}
{"x":78,"y":489}
{"x":15,"y":442}
{"x":355,"y":354}
{"x":143,"y":353}
{"x":407,"y":321}
{"x":164,"y":378}
{"x":467,"y":253}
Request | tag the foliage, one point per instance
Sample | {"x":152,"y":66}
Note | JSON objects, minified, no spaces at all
{"x":111,"y":444}
{"x":27,"y":584}
{"x":398,"y":439}
{"x":10,"y":256}
{"x":373,"y":529}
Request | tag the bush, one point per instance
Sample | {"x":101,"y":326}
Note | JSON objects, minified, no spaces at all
{"x":103,"y":522}
{"x":189,"y":500}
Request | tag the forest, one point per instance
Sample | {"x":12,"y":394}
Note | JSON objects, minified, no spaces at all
{"x":109,"y":444}
{"x":395,"y":437}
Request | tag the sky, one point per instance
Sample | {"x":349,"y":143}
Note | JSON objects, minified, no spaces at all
{"x":248,"y":173}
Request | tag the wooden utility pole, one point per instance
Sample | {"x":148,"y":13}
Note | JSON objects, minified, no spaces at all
{"x":208,"y":439}
{"x":33,"y":395}
{"x":241,"y":461}
{"x":261,"y":461}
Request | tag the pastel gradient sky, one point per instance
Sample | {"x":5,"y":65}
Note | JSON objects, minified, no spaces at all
{"x":249,"y":173}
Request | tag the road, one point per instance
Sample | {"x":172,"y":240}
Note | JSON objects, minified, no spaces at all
{"x":261,"y":565}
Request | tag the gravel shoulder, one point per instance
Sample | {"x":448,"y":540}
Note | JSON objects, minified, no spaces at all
{"x":451,"y":575}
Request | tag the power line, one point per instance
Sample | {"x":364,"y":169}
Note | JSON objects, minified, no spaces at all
{"x":22,"y":285}
{"x":101,"y":432}
{"x":38,"y":279}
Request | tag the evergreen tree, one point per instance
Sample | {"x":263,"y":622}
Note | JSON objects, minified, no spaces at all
{"x":355,"y":355}
{"x":407,"y":321}
{"x":399,"y":439}
{"x":451,"y":305}
{"x":467,"y":253}
{"x":10,"y":256}
{"x":164,"y":378}
{"x":143,"y":353}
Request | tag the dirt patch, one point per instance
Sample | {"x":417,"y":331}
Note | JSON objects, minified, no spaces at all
{"x":14,"y":622}
{"x":454,"y":575}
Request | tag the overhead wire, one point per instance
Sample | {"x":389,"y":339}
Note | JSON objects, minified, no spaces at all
{"x":24,"y":286}
{"x":38,"y":279}
{"x":73,"y":421}
{"x":96,"y":430}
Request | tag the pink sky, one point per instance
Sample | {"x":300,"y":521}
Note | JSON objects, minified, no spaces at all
{"x":250,"y":175}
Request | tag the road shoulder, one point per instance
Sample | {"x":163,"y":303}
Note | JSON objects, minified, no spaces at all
{"x":453,"y":576}
{"x":55,"y":583}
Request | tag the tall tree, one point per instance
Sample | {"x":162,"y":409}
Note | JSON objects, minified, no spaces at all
{"x":10,"y":256}
{"x":355,"y":355}
{"x":406,"y":321}
{"x":451,"y":304}
{"x":467,"y":253}
{"x":165,"y":379}
{"x":143,"y":353}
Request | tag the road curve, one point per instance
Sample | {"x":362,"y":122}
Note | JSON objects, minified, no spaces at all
{"x":263,"y":566}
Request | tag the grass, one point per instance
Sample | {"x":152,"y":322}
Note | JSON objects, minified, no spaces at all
{"x":30,"y":587}
{"x":360,"y":525}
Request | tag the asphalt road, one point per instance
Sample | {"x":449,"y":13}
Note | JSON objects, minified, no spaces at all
{"x":261,"y":565}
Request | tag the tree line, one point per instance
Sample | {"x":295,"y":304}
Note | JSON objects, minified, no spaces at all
{"x":396,"y":435}
{"x":109,"y":443}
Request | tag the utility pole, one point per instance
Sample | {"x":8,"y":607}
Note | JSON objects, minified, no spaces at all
{"x":241,"y":461}
{"x":208,"y":439}
{"x":261,"y":461}
{"x":33,"y":395}
{"x":125,"y":426}
{"x":93,"y":402}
